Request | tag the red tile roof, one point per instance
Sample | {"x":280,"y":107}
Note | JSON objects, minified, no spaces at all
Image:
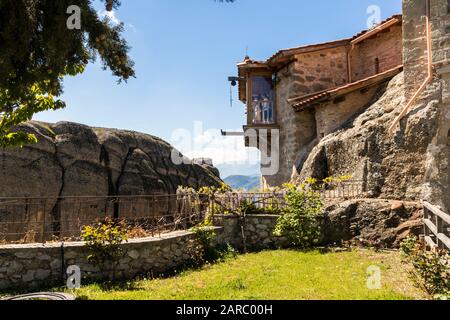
{"x":287,"y":53}
{"x":307,"y":101}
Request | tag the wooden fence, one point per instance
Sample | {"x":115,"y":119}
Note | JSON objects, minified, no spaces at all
{"x":436,"y":227}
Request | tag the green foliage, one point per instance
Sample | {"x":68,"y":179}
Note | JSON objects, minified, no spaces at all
{"x":224,"y":188}
{"x":203,"y":249}
{"x":249,"y":207}
{"x":300,"y":223}
{"x":103,"y":241}
{"x":38,"y":51}
{"x":408,"y":246}
{"x":432,"y":267}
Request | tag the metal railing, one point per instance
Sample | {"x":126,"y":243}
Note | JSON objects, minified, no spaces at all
{"x":436,"y":227}
{"x":350,"y":189}
{"x":273,"y":202}
{"x":31,"y":220}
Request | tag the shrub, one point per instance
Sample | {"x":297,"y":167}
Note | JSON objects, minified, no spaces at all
{"x":432,"y":266}
{"x":408,"y":246}
{"x":250,"y":208}
{"x":300,"y":222}
{"x":202,"y":248}
{"x":103,"y":240}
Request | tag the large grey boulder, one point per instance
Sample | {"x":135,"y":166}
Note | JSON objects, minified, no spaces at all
{"x":386,"y":222}
{"x":71,"y":159}
{"x":391,"y":167}
{"x":74,"y":160}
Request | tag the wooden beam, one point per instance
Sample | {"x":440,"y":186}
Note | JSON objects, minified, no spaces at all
{"x":430,"y":226}
{"x":435,"y":210}
{"x":430,"y":242}
{"x":444,"y":239}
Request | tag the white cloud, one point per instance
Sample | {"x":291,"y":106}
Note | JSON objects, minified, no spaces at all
{"x":211,"y":144}
{"x":111,"y":15}
{"x":115,"y":20}
{"x":131,"y":27}
{"x":229,"y":150}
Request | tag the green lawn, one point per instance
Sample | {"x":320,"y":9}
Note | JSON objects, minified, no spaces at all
{"x":278,"y":275}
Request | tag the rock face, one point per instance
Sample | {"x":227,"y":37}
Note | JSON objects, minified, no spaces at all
{"x":72,"y":160}
{"x":387,"y":222}
{"x":393,"y":167}
{"x":76,"y":160}
{"x":390,"y":167}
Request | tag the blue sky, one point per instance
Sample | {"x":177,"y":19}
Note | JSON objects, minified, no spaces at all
{"x":185,"y":49}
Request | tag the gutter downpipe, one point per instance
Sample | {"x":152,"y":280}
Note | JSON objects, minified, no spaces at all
{"x":349,"y":63}
{"x":410,"y":103}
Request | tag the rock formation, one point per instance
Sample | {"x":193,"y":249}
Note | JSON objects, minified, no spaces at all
{"x":391,"y":167}
{"x":73,"y":160}
{"x":372,"y":221}
{"x":76,"y":160}
{"x":388,"y":167}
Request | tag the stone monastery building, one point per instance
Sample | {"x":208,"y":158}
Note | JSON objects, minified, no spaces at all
{"x":303,"y":94}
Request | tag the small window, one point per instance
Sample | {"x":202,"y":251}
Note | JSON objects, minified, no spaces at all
{"x":262,"y":100}
{"x":448,"y":6}
{"x":377,"y":65}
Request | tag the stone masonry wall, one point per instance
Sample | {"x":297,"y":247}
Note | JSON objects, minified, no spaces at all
{"x":414,"y":44}
{"x":437,"y":175}
{"x":332,"y":115}
{"x":386,"y":47}
{"x":257,"y":230}
{"x":437,"y":179}
{"x":440,"y":25}
{"x":33,"y":265}
{"x":317,"y":71}
{"x":44,"y":265}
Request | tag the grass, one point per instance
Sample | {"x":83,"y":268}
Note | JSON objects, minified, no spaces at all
{"x":277,"y":275}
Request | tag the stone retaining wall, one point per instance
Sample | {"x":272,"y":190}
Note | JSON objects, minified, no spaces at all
{"x":36,"y":265}
{"x":256,"y":231}
{"x":33,"y":265}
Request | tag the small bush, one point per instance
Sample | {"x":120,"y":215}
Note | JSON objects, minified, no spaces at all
{"x":202,"y":248}
{"x":408,"y":246}
{"x":250,"y":208}
{"x":103,"y":241}
{"x":432,"y":267}
{"x":300,"y":223}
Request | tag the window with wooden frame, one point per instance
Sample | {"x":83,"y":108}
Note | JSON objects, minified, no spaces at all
{"x":261,"y":99}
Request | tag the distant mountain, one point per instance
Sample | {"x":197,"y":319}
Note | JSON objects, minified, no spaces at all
{"x":243,"y":182}
{"x":229,"y":169}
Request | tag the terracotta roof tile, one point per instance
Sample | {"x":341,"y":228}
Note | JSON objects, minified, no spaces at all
{"x":306,"y":101}
{"x":324,"y":45}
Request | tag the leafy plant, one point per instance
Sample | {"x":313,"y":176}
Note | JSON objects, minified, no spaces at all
{"x":300,"y":221}
{"x":201,"y":247}
{"x":39,"y":50}
{"x":408,"y":246}
{"x":103,"y":241}
{"x":432,"y":266}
